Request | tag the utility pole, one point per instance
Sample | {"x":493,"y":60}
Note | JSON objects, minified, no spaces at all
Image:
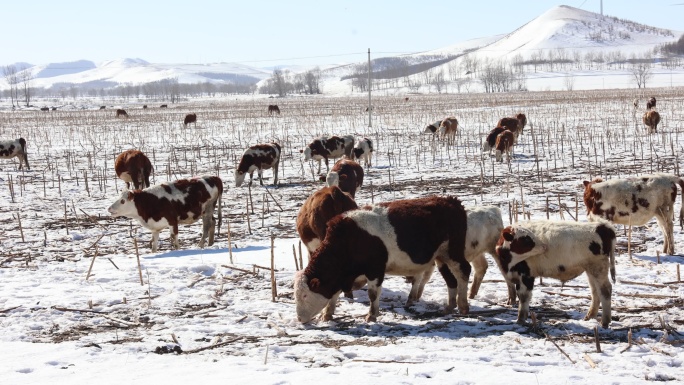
{"x":370,"y":107}
{"x":601,"y":9}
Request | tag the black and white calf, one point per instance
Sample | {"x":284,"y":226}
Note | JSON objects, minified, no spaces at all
{"x":15,"y":148}
{"x":403,"y":237}
{"x":258,"y":157}
{"x":562,"y":250}
{"x":170,"y":204}
{"x":363,"y":150}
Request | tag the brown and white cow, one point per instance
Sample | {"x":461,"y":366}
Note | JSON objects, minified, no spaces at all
{"x":121,"y":112}
{"x":635,"y":103}
{"x":448,"y":129}
{"x":651,"y":103}
{"x":190,"y":118}
{"x":651,"y":120}
{"x":403,"y":237}
{"x":132,"y":166}
{"x":433,"y":128}
{"x":363,"y":150}
{"x":562,"y":250}
{"x":15,"y":148}
{"x":273,"y":109}
{"x":328,"y":148}
{"x":170,"y":204}
{"x":490,"y":140}
{"x":346,"y":174}
{"x":258,"y":157}
{"x":514,"y":125}
{"x":504,"y":144}
{"x":635,"y":201}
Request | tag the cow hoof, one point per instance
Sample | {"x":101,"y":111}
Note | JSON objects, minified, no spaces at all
{"x":371,"y":318}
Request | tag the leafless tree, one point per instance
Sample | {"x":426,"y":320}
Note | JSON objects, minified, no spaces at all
{"x":26,"y":77}
{"x":641,"y":70}
{"x":11,"y":76}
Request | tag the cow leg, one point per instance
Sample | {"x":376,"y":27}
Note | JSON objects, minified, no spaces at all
{"x":154,"y":244}
{"x":663,"y":215}
{"x":327,"y":166}
{"x":461,"y":271}
{"x":174,"y":237}
{"x":275,"y":174}
{"x":374,"y":290}
{"x":601,"y":290}
{"x":251,"y":175}
{"x":451,"y":283}
{"x":418,"y":285}
{"x":524,"y":290}
{"x":259,"y":172}
{"x":330,"y":307}
{"x":480,"y":266}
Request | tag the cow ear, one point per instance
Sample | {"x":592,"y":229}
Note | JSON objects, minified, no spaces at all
{"x":508,"y":234}
{"x":586,"y":183}
{"x":301,"y":151}
{"x":314,"y":284}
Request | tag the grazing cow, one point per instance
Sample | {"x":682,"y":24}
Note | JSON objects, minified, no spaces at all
{"x":163,"y":106}
{"x":447,"y":129}
{"x":45,"y":108}
{"x":190,"y":118}
{"x":490,"y":140}
{"x":562,"y":250}
{"x":258,"y":157}
{"x":515,"y":125}
{"x":132,"y":166}
{"x":121,"y":112}
{"x":635,"y":201}
{"x":406,"y":99}
{"x":102,"y":107}
{"x":347,"y":174}
{"x":651,"y":120}
{"x":273,"y":109}
{"x":328,"y":148}
{"x":54,"y":108}
{"x":317,"y":210}
{"x":504,"y":144}
{"x":636,"y":103}
{"x":144,"y":106}
{"x":403,"y":237}
{"x":15,"y":148}
{"x":651,"y":103}
{"x":432,"y":128}
{"x":363,"y":150}
{"x":170,"y":204}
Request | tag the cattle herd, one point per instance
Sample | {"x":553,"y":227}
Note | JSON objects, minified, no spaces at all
{"x":352,"y":246}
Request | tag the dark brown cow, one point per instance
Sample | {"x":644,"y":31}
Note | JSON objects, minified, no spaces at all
{"x":273,"y":109}
{"x":170,"y":204}
{"x":258,"y":158}
{"x":403,"y":237}
{"x":504,"y":144}
{"x":15,"y":148}
{"x":651,"y":120}
{"x":45,"y":108}
{"x":490,"y":140}
{"x":328,"y":148}
{"x":346,"y":174}
{"x":635,"y":201}
{"x":515,"y":125}
{"x":102,"y":107}
{"x":651,"y":103}
{"x":190,"y":118}
{"x":144,"y":106}
{"x":121,"y":112}
{"x":562,"y":250}
{"x":54,"y":108}
{"x":132,"y":166}
{"x":163,"y":106}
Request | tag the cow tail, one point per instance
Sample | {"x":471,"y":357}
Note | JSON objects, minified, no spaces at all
{"x":220,"y":209}
{"x":612,"y":261}
{"x":681,"y":210}
{"x":22,"y":141}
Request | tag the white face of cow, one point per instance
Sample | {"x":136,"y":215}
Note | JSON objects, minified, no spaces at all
{"x":307,"y":302}
{"x":333,"y":179}
{"x":239,"y":178}
{"x":307,"y":153}
{"x":123,"y":206}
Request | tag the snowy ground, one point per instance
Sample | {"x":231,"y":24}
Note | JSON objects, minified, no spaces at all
{"x":196,"y":315}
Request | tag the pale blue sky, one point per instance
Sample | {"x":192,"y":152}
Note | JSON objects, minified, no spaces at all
{"x":267,"y":33}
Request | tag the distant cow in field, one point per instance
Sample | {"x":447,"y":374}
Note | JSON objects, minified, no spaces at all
{"x":363,"y":150}
{"x":190,"y":118}
{"x":163,"y":106}
{"x":121,"y":112}
{"x":635,"y":201}
{"x":54,"y":108}
{"x":514,"y":125}
{"x":102,"y":107}
{"x":45,"y":108}
{"x":347,"y":174}
{"x":171,"y":204}
{"x":403,"y":237}
{"x":144,"y":106}
{"x":273,"y":109}
{"x":15,"y":148}
{"x":504,"y":144}
{"x":448,"y":129}
{"x":562,"y":250}
{"x":433,"y":127}
{"x":406,"y":99}
{"x":324,"y":148}
{"x":651,"y":120}
{"x":258,"y":158}
{"x":132,"y":166}
{"x":636,"y":103}
{"x":651,"y":103}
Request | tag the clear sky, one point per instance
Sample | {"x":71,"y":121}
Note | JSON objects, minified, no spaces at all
{"x":265,"y":33}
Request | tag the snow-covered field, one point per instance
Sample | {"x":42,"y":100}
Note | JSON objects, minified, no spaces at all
{"x":191,"y":313}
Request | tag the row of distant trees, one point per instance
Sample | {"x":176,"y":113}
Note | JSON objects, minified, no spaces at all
{"x":284,"y":82}
{"x":19,"y":79}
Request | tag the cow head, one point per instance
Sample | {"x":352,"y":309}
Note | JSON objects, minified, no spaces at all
{"x":307,"y":153}
{"x":124,"y":206}
{"x":307,"y":301}
{"x":333,"y":179}
{"x":516,"y":244}
{"x":239,"y":178}
{"x":591,"y":195}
